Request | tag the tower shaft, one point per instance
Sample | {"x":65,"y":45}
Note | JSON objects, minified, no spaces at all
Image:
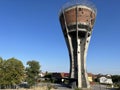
{"x":77,"y":52}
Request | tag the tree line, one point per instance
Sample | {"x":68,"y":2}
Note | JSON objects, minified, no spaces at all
{"x":13,"y":72}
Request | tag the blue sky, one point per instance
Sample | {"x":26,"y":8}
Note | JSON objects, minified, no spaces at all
{"x":30,"y":30}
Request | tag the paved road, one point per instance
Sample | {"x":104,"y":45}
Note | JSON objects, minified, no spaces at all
{"x":62,"y":87}
{"x":101,"y":87}
{"x":58,"y":86}
{"x":94,"y":87}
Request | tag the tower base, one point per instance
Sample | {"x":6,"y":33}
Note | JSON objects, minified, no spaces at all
{"x":86,"y":88}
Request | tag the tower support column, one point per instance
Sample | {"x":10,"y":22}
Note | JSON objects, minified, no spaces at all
{"x":79,"y":65}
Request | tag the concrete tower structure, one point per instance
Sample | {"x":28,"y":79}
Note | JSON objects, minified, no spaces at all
{"x":77,"y":19}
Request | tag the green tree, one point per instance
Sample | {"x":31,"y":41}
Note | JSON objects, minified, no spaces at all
{"x":32,"y":72}
{"x":15,"y":70}
{"x":1,"y":71}
{"x":116,"y":78}
{"x":12,"y":72}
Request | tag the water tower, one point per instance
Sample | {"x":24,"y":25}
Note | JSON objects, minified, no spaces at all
{"x":77,"y":19}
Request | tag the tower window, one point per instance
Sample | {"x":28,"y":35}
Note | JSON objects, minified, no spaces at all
{"x":88,"y":34}
{"x":80,"y":9}
{"x":82,"y":12}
